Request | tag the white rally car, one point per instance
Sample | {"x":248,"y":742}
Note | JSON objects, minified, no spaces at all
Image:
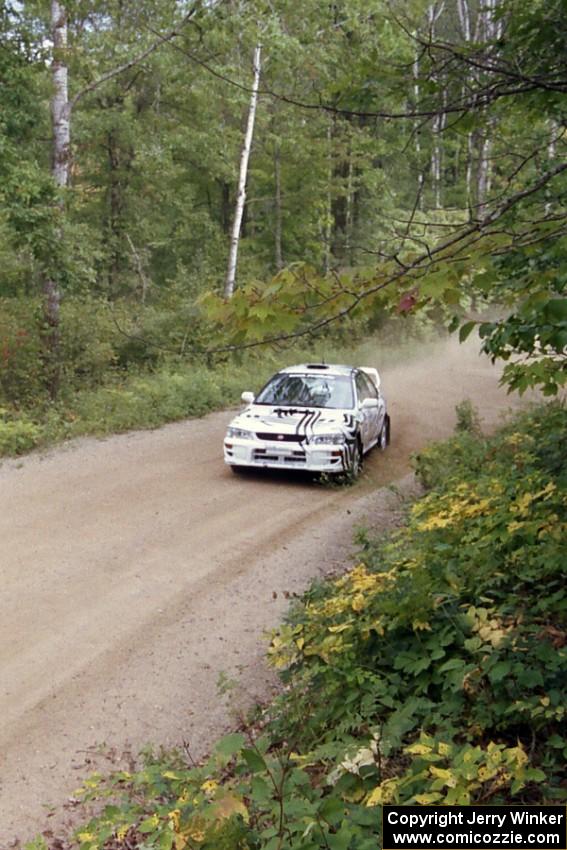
{"x":314,"y":417}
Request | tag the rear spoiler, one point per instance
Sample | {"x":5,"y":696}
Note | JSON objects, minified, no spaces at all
{"x":372,"y":374}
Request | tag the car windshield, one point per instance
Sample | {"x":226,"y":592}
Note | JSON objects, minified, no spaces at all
{"x":334,"y":391}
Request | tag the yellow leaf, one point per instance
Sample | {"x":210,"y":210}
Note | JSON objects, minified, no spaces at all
{"x":418,"y":750}
{"x":228,"y":806}
{"x":174,"y":818}
{"x":209,"y":786}
{"x":375,"y":797}
{"x":426,"y":799}
{"x":358,"y":603}
{"x":445,"y":775}
{"x":340,"y":628}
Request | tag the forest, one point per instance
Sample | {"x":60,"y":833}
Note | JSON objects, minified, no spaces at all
{"x":191,"y":192}
{"x":356,"y":163}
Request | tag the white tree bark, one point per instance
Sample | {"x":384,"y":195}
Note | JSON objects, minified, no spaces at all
{"x":60,"y":112}
{"x":241,"y":195}
{"x":551,"y":154}
{"x":491,"y":30}
{"x":60,"y":167}
{"x":464,"y":19}
{"x":433,"y":13}
{"x":465,"y":22}
{"x":416,"y":130}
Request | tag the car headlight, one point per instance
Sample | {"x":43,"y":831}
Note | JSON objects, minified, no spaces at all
{"x":328,"y":440}
{"x":240,"y":434}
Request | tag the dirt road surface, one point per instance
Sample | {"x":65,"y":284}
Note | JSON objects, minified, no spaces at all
{"x":135,"y":569}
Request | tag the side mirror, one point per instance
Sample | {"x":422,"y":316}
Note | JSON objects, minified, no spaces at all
{"x":247,"y":397}
{"x":369,"y":403}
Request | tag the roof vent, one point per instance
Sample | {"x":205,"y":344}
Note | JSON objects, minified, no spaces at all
{"x":317,"y":366}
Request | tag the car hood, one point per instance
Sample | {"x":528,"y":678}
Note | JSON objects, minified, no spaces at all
{"x":294,"y":420}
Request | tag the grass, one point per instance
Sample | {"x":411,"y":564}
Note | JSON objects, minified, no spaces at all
{"x":173,"y":392}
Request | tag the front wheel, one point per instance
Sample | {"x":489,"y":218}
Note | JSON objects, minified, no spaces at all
{"x":354,"y":467}
{"x":384,"y":438}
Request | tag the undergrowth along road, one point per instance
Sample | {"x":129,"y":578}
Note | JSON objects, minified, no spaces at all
{"x":136,"y":569}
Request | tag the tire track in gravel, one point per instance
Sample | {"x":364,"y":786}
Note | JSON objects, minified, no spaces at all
{"x":137,"y":568}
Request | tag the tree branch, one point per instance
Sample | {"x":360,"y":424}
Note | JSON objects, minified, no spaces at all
{"x":447,"y":250}
{"x":120,"y":69}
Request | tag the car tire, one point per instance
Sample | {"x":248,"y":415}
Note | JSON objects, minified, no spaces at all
{"x":237,"y":470}
{"x":355,"y":465}
{"x":384,"y":438}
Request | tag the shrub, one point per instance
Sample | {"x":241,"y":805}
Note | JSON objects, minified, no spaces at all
{"x":17,"y":437}
{"x":432,"y":672}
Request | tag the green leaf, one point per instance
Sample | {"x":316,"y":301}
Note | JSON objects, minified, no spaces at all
{"x":230,"y":744}
{"x":254,"y":761}
{"x":332,"y":809}
{"x":500,"y":671}
{"x":466,"y":330}
{"x":557,"y":309}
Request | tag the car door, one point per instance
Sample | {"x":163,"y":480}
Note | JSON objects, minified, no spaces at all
{"x":367,"y":426}
{"x":376,"y":414}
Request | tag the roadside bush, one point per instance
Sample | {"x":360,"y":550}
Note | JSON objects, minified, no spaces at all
{"x":17,"y":437}
{"x":432,"y":672}
{"x":21,"y":369}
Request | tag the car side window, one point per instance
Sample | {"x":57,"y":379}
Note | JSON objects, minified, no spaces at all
{"x":361,"y":388}
{"x":372,"y":390}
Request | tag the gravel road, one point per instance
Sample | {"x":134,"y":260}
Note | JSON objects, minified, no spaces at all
{"x":136,"y":569}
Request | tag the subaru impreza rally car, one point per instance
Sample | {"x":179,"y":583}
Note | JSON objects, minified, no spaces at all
{"x":315,"y":417}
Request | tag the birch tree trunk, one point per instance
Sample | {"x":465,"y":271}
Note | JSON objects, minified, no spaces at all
{"x":466,"y":32}
{"x":60,"y":110}
{"x":60,"y":166}
{"x":416,"y":131}
{"x":241,"y":194}
{"x":433,"y":14}
{"x":491,"y":30}
{"x":551,"y":154}
{"x":328,"y":228}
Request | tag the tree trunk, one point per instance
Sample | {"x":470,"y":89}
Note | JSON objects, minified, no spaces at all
{"x":551,"y":154}
{"x":241,"y":195}
{"x":416,"y":130}
{"x":278,"y":210}
{"x":60,"y":165}
{"x":349,"y":230}
{"x":484,"y":169}
{"x":328,"y":226}
{"x":115,"y":208}
{"x":225,"y":207}
{"x":433,"y":13}
{"x":60,"y":111}
{"x":465,"y":21}
{"x":491,"y":30}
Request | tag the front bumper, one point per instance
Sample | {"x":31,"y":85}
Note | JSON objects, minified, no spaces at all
{"x":275,"y":455}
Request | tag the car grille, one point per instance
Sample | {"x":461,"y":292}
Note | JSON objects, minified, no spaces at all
{"x":263,"y":455}
{"x":280,"y":438}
